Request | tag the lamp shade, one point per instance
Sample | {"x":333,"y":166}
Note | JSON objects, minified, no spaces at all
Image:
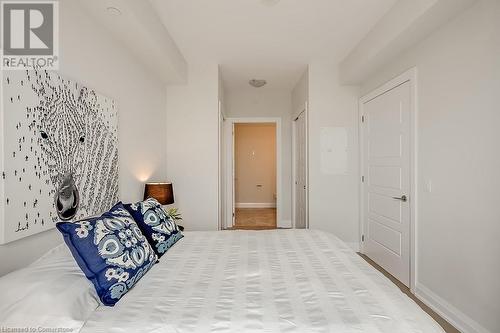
{"x":163,"y":192}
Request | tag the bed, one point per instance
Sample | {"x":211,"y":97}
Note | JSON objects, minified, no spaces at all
{"x":229,"y":281}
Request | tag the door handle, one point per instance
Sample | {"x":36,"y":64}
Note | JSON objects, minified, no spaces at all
{"x":402,"y":198}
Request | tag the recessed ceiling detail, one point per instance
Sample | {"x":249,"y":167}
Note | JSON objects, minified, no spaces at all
{"x":250,"y":39}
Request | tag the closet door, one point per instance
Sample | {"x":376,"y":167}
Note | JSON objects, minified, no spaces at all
{"x":386,"y":156}
{"x":300,"y":172}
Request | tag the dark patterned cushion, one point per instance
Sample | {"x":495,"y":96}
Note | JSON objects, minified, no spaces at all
{"x":111,"y":250}
{"x":159,"y":228}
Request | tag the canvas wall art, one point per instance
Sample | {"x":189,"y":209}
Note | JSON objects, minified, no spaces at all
{"x":59,"y":152}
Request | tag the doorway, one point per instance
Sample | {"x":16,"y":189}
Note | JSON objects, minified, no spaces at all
{"x":253,"y":173}
{"x":388,"y":178}
{"x":255,"y":176}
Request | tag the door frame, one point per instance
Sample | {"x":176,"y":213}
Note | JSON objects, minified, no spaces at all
{"x":229,"y":171}
{"x":221,"y":167}
{"x":411,"y":77}
{"x":2,"y":167}
{"x":305,"y":110}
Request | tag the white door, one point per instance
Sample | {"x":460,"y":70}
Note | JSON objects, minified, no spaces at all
{"x":300,"y":172}
{"x":386,"y":164}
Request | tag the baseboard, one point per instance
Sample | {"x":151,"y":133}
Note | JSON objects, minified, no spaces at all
{"x":255,"y":205}
{"x":285,"y":224}
{"x":457,"y":318}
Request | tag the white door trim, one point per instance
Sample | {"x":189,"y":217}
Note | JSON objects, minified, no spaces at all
{"x":279,"y":175}
{"x":304,"y":110}
{"x":2,"y":168}
{"x":411,"y":77}
{"x":220,"y":190}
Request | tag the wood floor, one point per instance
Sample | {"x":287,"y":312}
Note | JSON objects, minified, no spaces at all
{"x":255,"y":219}
{"x":448,"y":328}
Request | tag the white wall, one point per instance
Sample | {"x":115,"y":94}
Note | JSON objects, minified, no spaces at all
{"x":458,"y":138}
{"x":333,"y":198}
{"x":264,"y":102}
{"x":90,"y":56}
{"x":192,"y":146}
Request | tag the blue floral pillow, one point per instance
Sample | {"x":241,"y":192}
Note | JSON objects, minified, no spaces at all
{"x":158,"y":227}
{"x":111,"y":250}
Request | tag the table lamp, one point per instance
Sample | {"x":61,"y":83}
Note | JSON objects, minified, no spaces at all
{"x":163,"y":192}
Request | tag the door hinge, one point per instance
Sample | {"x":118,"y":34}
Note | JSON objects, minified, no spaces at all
{"x":362,"y":179}
{"x":362,"y":238}
{"x":362,"y":119}
{"x":233,"y":214}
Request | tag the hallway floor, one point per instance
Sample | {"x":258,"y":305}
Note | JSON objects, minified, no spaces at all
{"x":255,"y":219}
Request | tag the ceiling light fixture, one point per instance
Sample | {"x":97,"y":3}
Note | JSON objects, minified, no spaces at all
{"x":257,"y":83}
{"x":113,"y":11}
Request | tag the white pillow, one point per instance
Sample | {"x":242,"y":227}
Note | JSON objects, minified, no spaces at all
{"x":50,"y":293}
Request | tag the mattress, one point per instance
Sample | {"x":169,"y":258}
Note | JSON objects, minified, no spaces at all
{"x":262,"y":281}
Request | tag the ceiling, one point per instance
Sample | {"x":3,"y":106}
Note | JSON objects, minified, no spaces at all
{"x":268,"y":39}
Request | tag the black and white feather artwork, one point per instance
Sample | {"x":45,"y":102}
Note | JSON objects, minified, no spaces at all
{"x":60,"y":152}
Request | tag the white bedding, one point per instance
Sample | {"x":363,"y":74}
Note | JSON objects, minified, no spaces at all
{"x":266,"y":281}
{"x":51,"y":292}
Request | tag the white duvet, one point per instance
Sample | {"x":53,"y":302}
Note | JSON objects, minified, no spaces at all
{"x":231,"y":281}
{"x":264,"y":281}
